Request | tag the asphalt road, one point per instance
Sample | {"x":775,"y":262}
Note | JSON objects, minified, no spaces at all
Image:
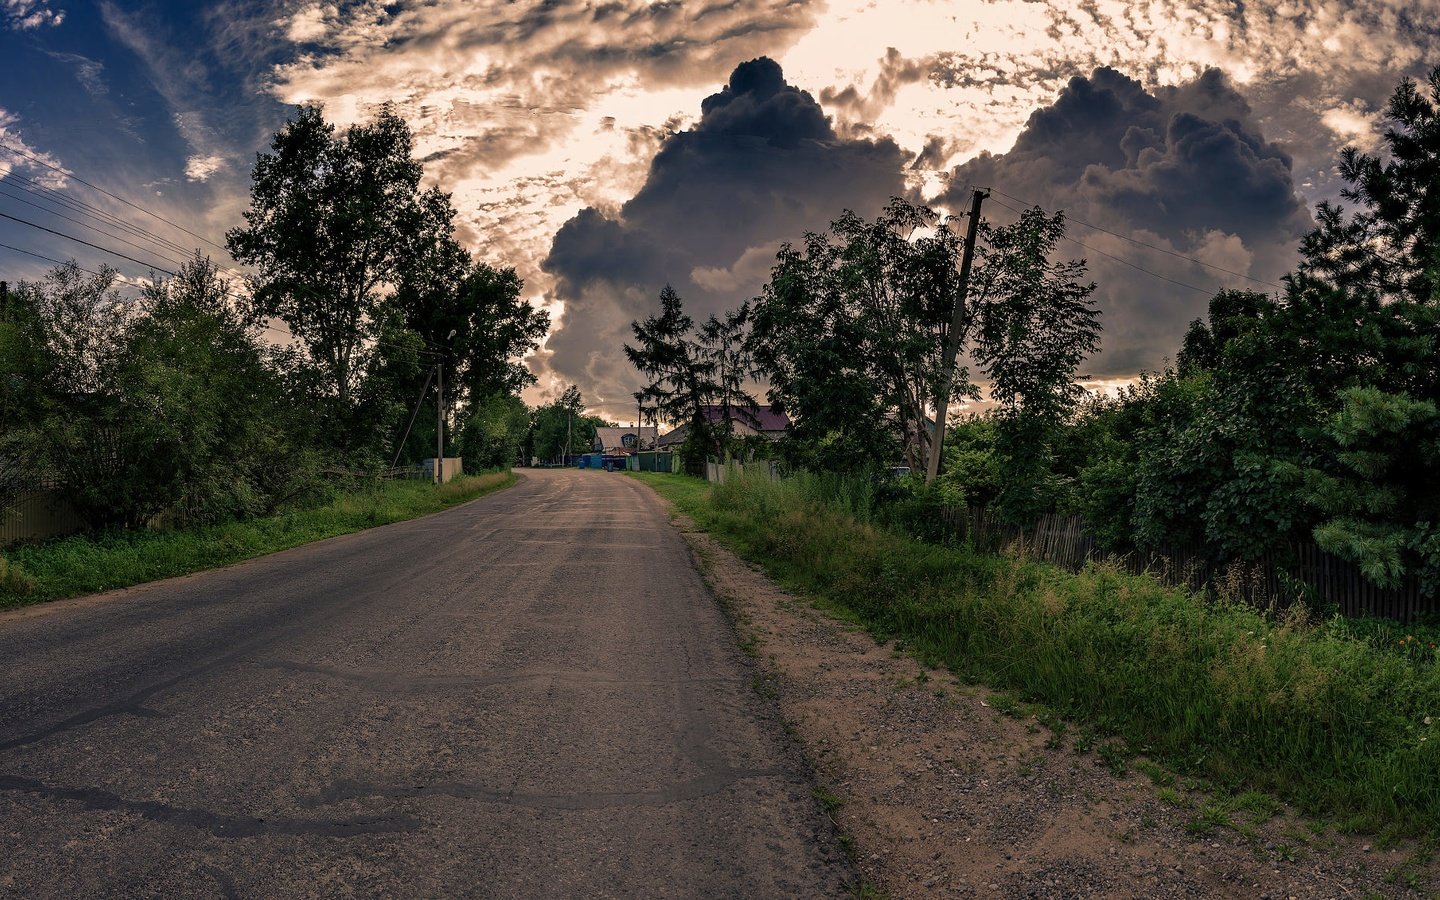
{"x":531,"y":695}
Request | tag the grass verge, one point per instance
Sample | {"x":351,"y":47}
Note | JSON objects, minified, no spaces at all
{"x":1307,"y":710}
{"x":85,"y":564}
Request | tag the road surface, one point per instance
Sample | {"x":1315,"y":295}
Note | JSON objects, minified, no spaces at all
{"x":531,"y":695}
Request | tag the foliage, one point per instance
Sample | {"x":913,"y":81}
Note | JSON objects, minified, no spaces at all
{"x":970,"y":468}
{"x":162,"y":405}
{"x":1380,"y":512}
{"x":560,"y":421}
{"x":334,"y":220}
{"x":493,"y":433}
{"x":21,"y":395}
{"x":852,"y":332}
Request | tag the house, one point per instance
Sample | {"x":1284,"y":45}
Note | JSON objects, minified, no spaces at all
{"x":624,"y":440}
{"x":765,"y":420}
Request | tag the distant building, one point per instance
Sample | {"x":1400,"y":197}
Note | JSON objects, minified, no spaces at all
{"x":764,"y":420}
{"x":624,"y":441}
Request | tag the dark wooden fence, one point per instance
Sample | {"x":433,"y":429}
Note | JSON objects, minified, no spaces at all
{"x":36,"y":512}
{"x":1305,"y":573}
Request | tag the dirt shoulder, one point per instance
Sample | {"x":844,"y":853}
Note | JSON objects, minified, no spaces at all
{"x":942,"y":793}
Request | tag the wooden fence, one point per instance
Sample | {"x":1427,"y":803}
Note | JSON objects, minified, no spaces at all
{"x":1304,"y":573}
{"x":717,"y":472}
{"x":38,"y":513}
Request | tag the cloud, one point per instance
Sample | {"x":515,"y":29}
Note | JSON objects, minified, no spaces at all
{"x":181,"y":79}
{"x":200,"y":168}
{"x":25,"y":162}
{"x":1175,"y":172}
{"x":761,"y":166}
{"x":27,"y":15}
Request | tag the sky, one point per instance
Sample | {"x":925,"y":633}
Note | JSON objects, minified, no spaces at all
{"x":605,"y":149}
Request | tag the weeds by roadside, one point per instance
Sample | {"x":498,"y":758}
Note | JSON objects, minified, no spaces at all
{"x":85,"y":564}
{"x":1306,"y":710}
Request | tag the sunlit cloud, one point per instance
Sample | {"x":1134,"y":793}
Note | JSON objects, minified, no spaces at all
{"x":28,"y":15}
{"x":200,"y":168}
{"x":29,"y":162}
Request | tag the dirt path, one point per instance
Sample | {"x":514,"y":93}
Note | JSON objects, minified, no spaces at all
{"x":942,"y":794}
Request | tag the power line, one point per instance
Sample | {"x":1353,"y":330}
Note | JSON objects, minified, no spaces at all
{"x":51,"y":195}
{"x":55,"y":168}
{"x":1177,"y":255}
{"x":1123,"y":262}
{"x":154,"y":268}
{"x":77,"y":240}
{"x":91,"y":227}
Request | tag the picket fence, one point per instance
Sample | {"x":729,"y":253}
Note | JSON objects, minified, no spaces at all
{"x":1304,"y":573}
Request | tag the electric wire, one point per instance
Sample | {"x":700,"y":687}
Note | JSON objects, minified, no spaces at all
{"x":93,"y":228}
{"x":70,"y":237}
{"x":1137,"y":242}
{"x":37,"y":160}
{"x":81,"y":207}
{"x":1121,"y":260}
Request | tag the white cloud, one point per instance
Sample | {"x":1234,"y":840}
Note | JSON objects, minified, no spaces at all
{"x":23,"y":162}
{"x":26,"y":15}
{"x":1354,"y":124}
{"x":200,"y":168}
{"x":310,"y":23}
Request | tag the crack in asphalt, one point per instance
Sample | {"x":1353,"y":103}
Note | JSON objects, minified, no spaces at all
{"x":691,"y":789}
{"x":217,"y":824}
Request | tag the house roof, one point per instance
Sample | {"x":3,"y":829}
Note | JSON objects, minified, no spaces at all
{"x":611,"y":437}
{"x":761,"y":418}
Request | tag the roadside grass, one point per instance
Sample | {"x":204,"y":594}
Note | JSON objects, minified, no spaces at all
{"x":1315,"y":711}
{"x":87,"y":564}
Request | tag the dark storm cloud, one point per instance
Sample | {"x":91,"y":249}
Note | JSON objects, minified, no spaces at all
{"x":762,"y":166}
{"x":1182,"y":168}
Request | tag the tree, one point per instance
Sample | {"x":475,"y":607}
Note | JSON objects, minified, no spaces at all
{"x":334,"y":222}
{"x":724,"y":350}
{"x":165,"y":404}
{"x":1035,"y":323}
{"x":493,"y":432}
{"x":469,"y":312}
{"x":1391,"y":245}
{"x":851,"y":333}
{"x":561,"y":426}
{"x":682,"y":376}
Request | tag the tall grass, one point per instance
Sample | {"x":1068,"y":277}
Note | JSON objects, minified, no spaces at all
{"x":85,"y":564}
{"x":1312,"y":710}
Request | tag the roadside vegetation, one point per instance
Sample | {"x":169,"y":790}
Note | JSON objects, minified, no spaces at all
{"x":198,"y":414}
{"x":84,"y":564}
{"x":1329,"y":716}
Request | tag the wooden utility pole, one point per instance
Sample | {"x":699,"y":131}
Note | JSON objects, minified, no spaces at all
{"x":440,"y":424}
{"x":952,"y":338}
